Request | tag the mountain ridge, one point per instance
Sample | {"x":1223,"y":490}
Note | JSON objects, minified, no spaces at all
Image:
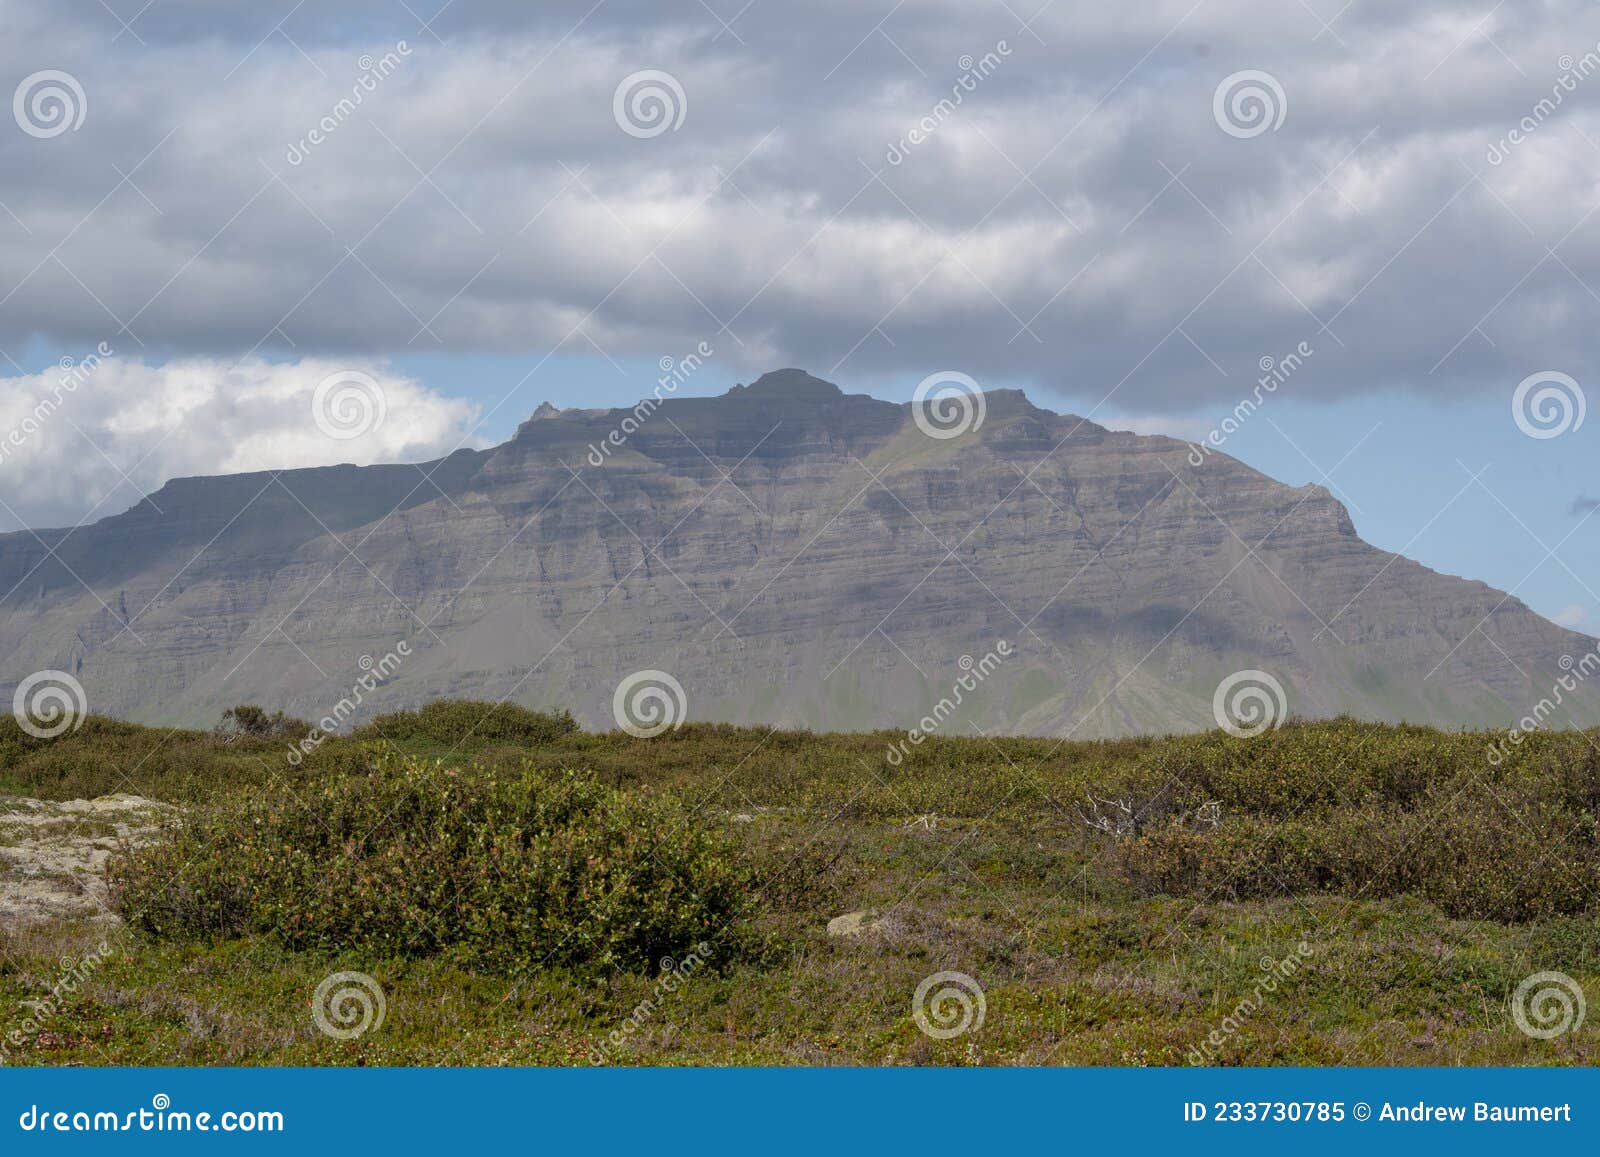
{"x":791,"y":554}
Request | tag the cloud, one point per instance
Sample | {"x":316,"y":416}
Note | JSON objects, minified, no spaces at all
{"x":1070,"y":216}
{"x":1187,"y":429}
{"x":1575,"y":617}
{"x":86,"y":440}
{"x":1583,"y":505}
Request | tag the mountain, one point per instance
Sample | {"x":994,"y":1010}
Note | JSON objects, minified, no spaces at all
{"x":789,"y":554}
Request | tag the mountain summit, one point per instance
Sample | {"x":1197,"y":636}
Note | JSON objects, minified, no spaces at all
{"x":789,"y":554}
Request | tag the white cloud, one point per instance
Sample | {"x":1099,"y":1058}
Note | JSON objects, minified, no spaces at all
{"x":1187,"y":429}
{"x":84,"y":443}
{"x":1574,"y":616}
{"x":1060,"y":226}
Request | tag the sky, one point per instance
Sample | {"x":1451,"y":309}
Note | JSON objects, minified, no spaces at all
{"x":454,"y":211}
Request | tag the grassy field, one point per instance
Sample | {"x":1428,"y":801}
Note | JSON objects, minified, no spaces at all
{"x":1328,"y":893}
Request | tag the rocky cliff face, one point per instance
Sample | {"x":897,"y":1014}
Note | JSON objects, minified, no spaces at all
{"x":789,"y":554}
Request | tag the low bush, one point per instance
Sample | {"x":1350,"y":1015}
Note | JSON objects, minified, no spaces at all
{"x":1480,"y":827}
{"x":104,"y":755}
{"x":495,"y":869}
{"x":458,"y":721}
{"x":1477,"y":853}
{"x":247,"y":719}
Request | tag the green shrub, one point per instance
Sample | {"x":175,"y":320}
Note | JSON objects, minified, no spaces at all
{"x":107,"y":755}
{"x":1477,"y":853}
{"x":256,"y":722}
{"x":457,"y":721}
{"x":505,"y":870}
{"x":1501,"y":855}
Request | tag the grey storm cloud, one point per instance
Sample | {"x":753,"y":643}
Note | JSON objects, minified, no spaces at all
{"x":1039,"y":193}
